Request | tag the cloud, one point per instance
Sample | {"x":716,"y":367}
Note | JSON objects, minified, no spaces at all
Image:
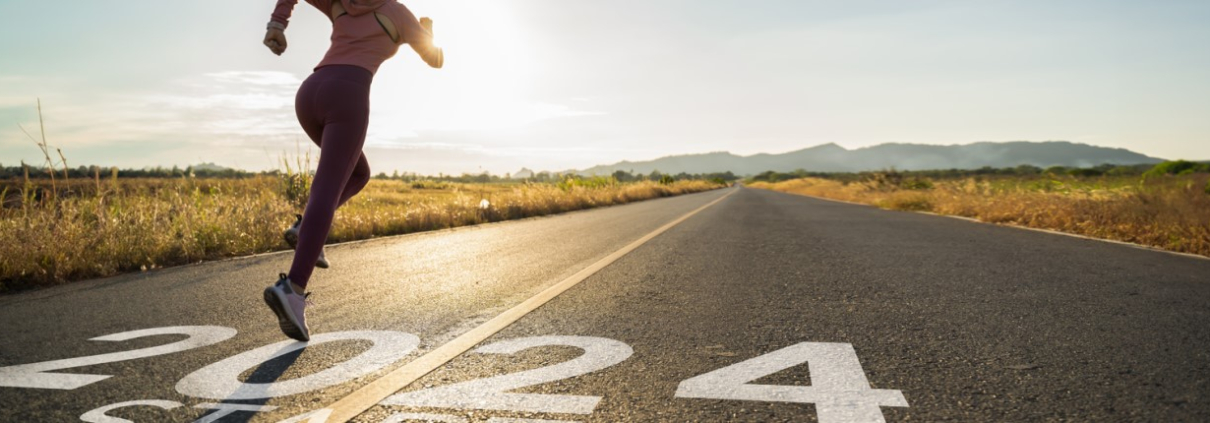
{"x":266,"y":78}
{"x":182,"y":120}
{"x":228,"y":101}
{"x":235,"y":103}
{"x":244,"y":117}
{"x":404,"y":145}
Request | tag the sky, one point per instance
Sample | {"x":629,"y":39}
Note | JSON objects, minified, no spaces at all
{"x":568,"y":84}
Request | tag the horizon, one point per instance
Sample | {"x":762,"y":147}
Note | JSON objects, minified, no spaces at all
{"x":903,"y":143}
{"x":606,"y":165}
{"x":547,"y":85}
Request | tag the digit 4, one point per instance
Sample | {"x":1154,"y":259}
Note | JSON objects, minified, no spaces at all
{"x":839,"y":388}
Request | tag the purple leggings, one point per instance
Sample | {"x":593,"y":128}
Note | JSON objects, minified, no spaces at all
{"x":333,"y":106}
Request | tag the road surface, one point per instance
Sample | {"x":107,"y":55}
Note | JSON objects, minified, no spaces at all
{"x":730,"y":305}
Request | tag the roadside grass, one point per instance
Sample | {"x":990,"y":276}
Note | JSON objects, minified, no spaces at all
{"x":67,"y":230}
{"x":1160,"y":210}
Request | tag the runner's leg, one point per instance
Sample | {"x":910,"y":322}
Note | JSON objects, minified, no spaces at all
{"x":343,"y":100}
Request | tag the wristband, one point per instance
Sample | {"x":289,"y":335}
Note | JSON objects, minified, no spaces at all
{"x":276,"y":25}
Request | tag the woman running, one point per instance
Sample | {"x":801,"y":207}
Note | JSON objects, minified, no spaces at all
{"x":333,"y":106}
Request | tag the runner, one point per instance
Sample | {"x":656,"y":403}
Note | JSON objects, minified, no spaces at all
{"x":333,"y":106}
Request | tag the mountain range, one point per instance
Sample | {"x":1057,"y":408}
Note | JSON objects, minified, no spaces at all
{"x":834,"y":158}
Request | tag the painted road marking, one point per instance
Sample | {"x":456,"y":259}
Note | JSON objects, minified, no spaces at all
{"x":442,"y":418}
{"x":36,"y":375}
{"x":221,"y":380}
{"x":220,"y":410}
{"x":492,"y":393}
{"x":368,"y":396}
{"x":839,"y":388}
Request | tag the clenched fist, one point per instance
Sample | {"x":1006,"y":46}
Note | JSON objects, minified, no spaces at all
{"x":275,"y":39}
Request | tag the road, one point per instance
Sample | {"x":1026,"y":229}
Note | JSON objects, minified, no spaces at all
{"x":758,"y":306}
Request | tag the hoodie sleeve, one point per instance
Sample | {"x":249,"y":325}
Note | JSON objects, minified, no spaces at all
{"x":409,"y":27}
{"x":281,"y":13}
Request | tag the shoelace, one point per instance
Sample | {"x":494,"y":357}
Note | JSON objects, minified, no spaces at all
{"x":306,"y":295}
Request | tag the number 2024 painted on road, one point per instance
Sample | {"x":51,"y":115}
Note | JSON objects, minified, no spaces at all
{"x":839,"y":388}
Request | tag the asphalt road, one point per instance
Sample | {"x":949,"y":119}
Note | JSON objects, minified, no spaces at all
{"x":763,"y":307}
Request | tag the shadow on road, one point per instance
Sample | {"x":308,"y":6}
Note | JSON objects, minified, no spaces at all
{"x":262,"y":377}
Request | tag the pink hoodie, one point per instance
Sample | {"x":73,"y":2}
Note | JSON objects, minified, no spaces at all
{"x":357,"y":37}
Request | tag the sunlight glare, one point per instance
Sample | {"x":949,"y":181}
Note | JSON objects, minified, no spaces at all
{"x":483,"y":85}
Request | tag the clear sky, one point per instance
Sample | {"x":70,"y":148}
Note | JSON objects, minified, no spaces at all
{"x":558,"y":84}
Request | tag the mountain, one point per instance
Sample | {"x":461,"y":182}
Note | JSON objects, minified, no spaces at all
{"x":210,"y":167}
{"x":523,"y":173}
{"x":834,"y":158}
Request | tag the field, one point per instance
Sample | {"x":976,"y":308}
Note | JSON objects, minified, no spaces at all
{"x":95,"y":227}
{"x":1165,"y":211}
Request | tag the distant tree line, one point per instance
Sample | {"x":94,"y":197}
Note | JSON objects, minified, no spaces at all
{"x":1166,"y":168}
{"x":8,"y":172}
{"x":1169,"y":168}
{"x":37,"y":172}
{"x":554,"y":177}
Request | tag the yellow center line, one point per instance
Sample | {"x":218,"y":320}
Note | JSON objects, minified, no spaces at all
{"x":367,"y":396}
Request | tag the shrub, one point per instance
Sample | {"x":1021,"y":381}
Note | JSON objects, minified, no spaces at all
{"x":1086,"y":172}
{"x":295,"y":181}
{"x":1178,"y":167}
{"x":917,"y":184}
{"x":1168,"y":212}
{"x":1027,"y":170}
{"x":1055,"y":170}
{"x":908,"y":203}
{"x":96,"y":228}
{"x":1122,"y":171}
{"x":430,"y":184}
{"x":594,"y":182}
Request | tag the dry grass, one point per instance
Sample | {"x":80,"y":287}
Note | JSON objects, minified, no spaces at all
{"x":1169,"y":212}
{"x":105,"y":226}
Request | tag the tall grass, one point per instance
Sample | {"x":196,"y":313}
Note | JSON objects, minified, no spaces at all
{"x":1165,"y":211}
{"x":56,"y":230}
{"x":83,"y":229}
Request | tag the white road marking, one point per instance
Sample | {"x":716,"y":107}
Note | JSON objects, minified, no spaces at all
{"x":35,"y":375}
{"x":221,"y":380}
{"x":425,"y":417}
{"x":839,"y":388}
{"x":357,"y":402}
{"x":98,"y":415}
{"x":223,"y":410}
{"x":491,"y":393}
{"x":317,"y":416}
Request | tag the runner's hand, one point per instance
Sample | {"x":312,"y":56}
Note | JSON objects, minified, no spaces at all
{"x":275,"y":40}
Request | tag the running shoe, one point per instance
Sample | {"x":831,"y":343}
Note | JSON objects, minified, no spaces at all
{"x":290,"y":308}
{"x":291,"y":237}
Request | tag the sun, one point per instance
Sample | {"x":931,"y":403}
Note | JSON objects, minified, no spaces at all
{"x":484,"y":83}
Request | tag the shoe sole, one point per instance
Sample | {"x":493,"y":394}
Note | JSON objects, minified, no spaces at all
{"x":288,"y":327}
{"x":291,"y":238}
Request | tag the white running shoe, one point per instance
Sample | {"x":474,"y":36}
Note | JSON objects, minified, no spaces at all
{"x":291,"y":236}
{"x":290,"y":308}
